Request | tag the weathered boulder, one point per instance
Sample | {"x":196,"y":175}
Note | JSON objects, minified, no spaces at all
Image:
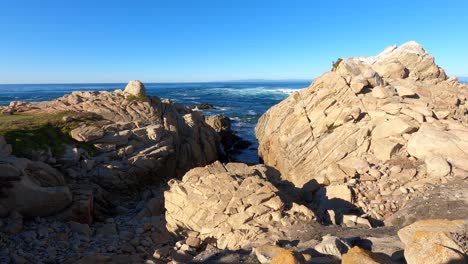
{"x":87,"y":133}
{"x":451,"y":145}
{"x":434,"y":241}
{"x":32,"y":200}
{"x":135,"y":88}
{"x":35,"y":188}
{"x":287,"y":256}
{"x":233,"y":214}
{"x":332,"y":245}
{"x":437,"y":166}
{"x":265,"y":253}
{"x":219,"y":123}
{"x":357,"y":255}
{"x":335,"y":197}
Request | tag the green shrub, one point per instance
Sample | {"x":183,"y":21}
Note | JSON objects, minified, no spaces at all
{"x":336,"y":64}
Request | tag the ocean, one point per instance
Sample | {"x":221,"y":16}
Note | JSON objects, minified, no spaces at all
{"x":242,"y":102}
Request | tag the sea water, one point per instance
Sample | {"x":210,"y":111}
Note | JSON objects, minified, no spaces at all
{"x":242,"y":102}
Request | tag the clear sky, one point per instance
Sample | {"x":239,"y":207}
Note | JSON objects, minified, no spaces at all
{"x":64,"y":41}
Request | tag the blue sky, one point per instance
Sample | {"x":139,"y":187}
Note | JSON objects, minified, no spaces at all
{"x":206,"y":40}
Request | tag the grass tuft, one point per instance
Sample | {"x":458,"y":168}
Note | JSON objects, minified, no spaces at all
{"x":30,"y":133}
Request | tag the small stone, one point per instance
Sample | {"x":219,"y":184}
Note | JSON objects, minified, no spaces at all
{"x":375,"y":173}
{"x":349,"y":220}
{"x":135,"y":242}
{"x":287,"y":256}
{"x":437,"y":166}
{"x":67,"y":119}
{"x":403,"y":190}
{"x":81,"y":228}
{"x":363,"y":221}
{"x":193,"y":242}
{"x":332,"y":245}
{"x":361,"y":256}
{"x":185,"y":247}
{"x":107,"y":230}
{"x":395,"y":169}
{"x":405,"y":91}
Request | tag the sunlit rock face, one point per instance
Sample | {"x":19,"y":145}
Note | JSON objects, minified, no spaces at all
{"x":378,"y":109}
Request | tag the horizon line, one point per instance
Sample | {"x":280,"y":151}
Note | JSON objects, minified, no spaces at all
{"x":168,"y":82}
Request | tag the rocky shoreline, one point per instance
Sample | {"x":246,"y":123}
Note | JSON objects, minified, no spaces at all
{"x":369,"y":164}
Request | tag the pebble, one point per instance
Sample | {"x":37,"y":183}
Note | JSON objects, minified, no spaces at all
{"x":193,"y":242}
{"x":375,"y":173}
{"x":403,"y":190}
{"x":395,"y":169}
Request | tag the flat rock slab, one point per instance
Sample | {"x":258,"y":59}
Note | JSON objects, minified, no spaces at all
{"x":448,"y":201}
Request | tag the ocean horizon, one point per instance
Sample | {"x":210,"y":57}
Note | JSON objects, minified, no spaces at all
{"x":242,"y":101}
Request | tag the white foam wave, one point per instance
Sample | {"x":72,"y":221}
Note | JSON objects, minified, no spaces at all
{"x":256,"y":91}
{"x":288,"y":90}
{"x":224,"y":108}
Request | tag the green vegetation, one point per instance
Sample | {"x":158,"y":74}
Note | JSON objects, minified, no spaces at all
{"x":25,"y":142}
{"x":336,"y":64}
{"x":37,"y":132}
{"x":331,"y":127}
{"x":139,"y":98}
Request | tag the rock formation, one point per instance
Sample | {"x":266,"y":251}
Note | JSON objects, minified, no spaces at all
{"x":36,"y":189}
{"x":135,"y":88}
{"x":384,"y":125}
{"x":144,"y":136}
{"x":368,"y":105}
{"x":234,"y":214}
{"x":127,"y":141}
{"x":136,"y":139}
{"x":231,"y":143}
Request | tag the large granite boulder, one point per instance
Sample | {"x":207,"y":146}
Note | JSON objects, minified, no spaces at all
{"x":443,"y":201}
{"x":367,"y":108}
{"x":232,"y":203}
{"x":435,"y":241}
{"x":451,"y":144}
{"x":31,"y":188}
{"x":135,"y":88}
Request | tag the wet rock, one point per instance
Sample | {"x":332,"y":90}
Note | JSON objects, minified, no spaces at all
{"x":202,"y":106}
